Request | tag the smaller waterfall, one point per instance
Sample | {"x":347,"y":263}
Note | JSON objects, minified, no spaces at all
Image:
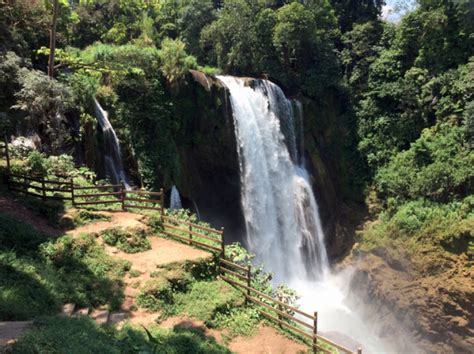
{"x":175,"y":199}
{"x":113,"y":157}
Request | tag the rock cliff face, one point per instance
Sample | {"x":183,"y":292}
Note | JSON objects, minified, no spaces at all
{"x":430,"y":297}
{"x":209,"y":167}
{"x":207,"y":154}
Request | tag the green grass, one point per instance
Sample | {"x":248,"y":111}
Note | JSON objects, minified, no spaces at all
{"x":127,"y":240}
{"x":39,"y":273}
{"x":82,"y":335}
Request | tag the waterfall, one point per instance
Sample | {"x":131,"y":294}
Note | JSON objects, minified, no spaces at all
{"x":175,"y":200}
{"x":113,"y":157}
{"x":281,"y":214}
{"x":282,"y":219}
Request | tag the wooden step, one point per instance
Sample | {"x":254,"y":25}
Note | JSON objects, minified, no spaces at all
{"x":100,"y":316}
{"x":11,"y":330}
{"x":68,"y":309}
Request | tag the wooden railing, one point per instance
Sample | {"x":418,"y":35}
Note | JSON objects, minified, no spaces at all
{"x":278,"y":311}
{"x":40,"y":187}
{"x":194,"y":234}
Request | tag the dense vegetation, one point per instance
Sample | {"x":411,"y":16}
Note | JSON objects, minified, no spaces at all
{"x":407,"y":89}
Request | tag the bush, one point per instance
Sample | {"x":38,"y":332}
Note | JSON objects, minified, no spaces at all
{"x":83,"y":335}
{"x":127,"y":240}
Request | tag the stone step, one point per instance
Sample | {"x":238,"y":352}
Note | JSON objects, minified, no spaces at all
{"x":100,"y":316}
{"x":81,"y":312}
{"x":117,"y":317}
{"x":68,"y":309}
{"x":10,"y":331}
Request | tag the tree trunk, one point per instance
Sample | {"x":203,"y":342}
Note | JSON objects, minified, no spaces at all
{"x":52,"y":38}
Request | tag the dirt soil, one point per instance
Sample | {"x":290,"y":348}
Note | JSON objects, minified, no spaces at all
{"x":10,"y":206}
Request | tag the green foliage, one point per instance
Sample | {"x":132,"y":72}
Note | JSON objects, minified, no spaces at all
{"x":38,"y":274}
{"x":82,"y":335}
{"x":84,"y":217}
{"x":421,"y":224}
{"x":45,"y":101}
{"x":68,"y":335}
{"x":18,"y":237}
{"x":175,"y":63}
{"x":127,"y":240}
{"x":238,"y":321}
{"x":438,"y":166}
{"x":205,"y":299}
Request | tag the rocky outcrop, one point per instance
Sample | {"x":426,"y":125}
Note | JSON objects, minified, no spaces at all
{"x":208,"y":161}
{"x":430,"y":297}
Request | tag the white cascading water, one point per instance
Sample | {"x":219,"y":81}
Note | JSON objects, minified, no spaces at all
{"x":175,"y":199}
{"x":282,"y":218}
{"x":113,"y":156}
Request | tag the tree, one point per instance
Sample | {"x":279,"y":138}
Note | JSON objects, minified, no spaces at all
{"x":52,"y":40}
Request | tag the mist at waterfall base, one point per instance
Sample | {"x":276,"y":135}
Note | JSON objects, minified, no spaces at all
{"x":282,"y":218}
{"x":112,"y":155}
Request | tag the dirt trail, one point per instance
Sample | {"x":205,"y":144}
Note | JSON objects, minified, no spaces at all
{"x":11,"y":207}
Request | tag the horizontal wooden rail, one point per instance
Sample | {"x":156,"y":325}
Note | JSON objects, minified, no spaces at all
{"x":144,"y":193}
{"x":94,"y":202}
{"x":235,"y":274}
{"x":281,"y":313}
{"x":190,"y":240}
{"x":38,"y":179}
{"x":232,"y":264}
{"x":141,"y":207}
{"x":99,"y":187}
{"x":97,"y":195}
{"x":143,"y":200}
{"x":218,"y":232}
{"x":268,"y":297}
{"x":190,"y":232}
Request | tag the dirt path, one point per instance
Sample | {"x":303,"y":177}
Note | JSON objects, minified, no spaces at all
{"x":266,"y":341}
{"x":11,"y":207}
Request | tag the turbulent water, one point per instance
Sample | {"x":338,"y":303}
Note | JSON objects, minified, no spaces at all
{"x":175,"y":199}
{"x":113,"y":157}
{"x":282,"y":218}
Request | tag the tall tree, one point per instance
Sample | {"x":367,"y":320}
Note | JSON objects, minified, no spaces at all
{"x":52,"y":38}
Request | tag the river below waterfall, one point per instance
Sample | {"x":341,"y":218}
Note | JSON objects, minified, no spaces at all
{"x":281,"y":214}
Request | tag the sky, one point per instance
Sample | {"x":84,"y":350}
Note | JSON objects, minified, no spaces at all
{"x":393,"y":10}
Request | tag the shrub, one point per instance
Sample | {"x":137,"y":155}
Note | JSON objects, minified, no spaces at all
{"x":127,"y":240}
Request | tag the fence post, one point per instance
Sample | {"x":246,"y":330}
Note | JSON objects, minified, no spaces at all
{"x":315,"y":333}
{"x":43,"y":188}
{"x":280,"y":308}
{"x":190,"y":234}
{"x":359,"y":350}
{"x":222,"y":244}
{"x":123,"y":195}
{"x":7,"y":153}
{"x":162,"y":204}
{"x":249,"y":282}
{"x":72,"y":192}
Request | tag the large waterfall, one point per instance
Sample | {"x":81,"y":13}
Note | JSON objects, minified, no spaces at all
{"x":113,"y":157}
{"x":281,"y":214}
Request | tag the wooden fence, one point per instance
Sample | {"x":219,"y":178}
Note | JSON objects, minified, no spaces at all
{"x":283,"y":314}
{"x":40,"y":187}
{"x":194,"y":234}
{"x":80,"y":196}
